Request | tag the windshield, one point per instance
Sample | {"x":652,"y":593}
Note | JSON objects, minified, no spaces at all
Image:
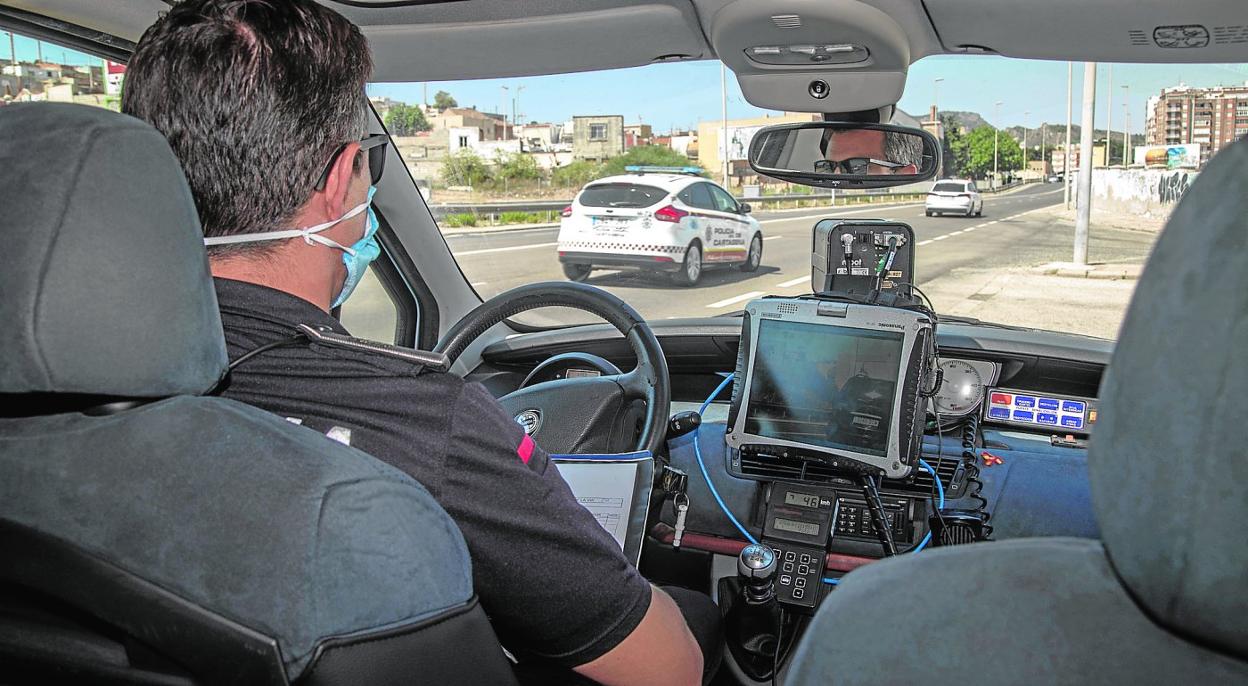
{"x":620,"y":195}
{"x":502,"y":161}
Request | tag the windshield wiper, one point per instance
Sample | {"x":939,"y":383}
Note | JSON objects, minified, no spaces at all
{"x":957,"y":319}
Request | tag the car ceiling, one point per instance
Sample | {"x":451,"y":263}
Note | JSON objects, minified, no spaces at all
{"x":465,"y":39}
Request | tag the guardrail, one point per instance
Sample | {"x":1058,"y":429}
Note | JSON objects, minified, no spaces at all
{"x":491,"y":210}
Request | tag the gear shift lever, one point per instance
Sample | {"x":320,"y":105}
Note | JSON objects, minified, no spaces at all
{"x":756,"y":565}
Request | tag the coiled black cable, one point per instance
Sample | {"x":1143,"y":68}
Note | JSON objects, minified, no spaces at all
{"x":970,"y":463}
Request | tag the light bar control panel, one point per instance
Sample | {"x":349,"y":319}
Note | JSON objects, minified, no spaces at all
{"x":1047,"y":411}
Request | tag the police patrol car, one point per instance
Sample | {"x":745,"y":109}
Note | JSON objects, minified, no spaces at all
{"x":663,"y":219}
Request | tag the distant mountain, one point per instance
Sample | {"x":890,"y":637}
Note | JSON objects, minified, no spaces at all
{"x":1053,"y":134}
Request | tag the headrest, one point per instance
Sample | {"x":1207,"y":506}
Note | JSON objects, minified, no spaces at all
{"x":1169,"y":457}
{"x":105,"y":287}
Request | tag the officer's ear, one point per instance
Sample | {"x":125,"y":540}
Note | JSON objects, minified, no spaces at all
{"x":342,"y":173}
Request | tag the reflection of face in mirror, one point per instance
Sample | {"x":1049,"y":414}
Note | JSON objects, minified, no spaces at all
{"x":864,"y":151}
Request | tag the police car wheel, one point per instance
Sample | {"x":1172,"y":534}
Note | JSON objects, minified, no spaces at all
{"x":755,"y":256}
{"x":691,"y":269}
{"x":576,"y":272}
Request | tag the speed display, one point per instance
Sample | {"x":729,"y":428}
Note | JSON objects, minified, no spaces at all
{"x":802,"y":499}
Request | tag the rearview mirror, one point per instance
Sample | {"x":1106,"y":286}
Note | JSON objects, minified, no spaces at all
{"x":845,"y":155}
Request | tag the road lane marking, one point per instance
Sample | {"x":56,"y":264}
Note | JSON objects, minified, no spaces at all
{"x":969,"y":229}
{"x":793,"y":282}
{"x":771,"y":238}
{"x":940,"y":238}
{"x":507,"y":249}
{"x":924,"y":242}
{"x":953,"y":233}
{"x":728,"y":301}
{"x":835,"y":211}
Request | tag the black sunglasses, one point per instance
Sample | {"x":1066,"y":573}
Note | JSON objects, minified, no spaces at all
{"x":854,"y":165}
{"x":374,"y":145}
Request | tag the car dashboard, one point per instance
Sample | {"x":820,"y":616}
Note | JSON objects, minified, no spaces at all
{"x":1008,"y":442}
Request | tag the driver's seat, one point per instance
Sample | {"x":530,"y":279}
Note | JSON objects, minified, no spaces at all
{"x":1163,"y":598}
{"x":149,"y":534}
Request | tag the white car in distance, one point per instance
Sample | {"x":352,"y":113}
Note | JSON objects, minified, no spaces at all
{"x":954,"y":196}
{"x":659,"y":219}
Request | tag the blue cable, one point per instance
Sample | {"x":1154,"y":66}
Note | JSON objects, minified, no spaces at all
{"x":697,"y":451}
{"x":940,"y":492}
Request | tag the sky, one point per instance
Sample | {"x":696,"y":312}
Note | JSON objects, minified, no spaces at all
{"x":679,"y":95}
{"x":682,"y":94}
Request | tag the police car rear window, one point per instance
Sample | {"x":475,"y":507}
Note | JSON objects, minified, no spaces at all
{"x":621,"y":195}
{"x":949,"y":188}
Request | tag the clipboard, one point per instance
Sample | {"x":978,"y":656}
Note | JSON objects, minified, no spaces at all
{"x":616,"y":489}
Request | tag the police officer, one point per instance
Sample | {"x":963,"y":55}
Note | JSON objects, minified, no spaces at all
{"x":264,"y":104}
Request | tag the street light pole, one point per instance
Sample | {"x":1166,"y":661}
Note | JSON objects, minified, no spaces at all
{"x":1084,"y":203}
{"x":1126,"y":142}
{"x":996,"y":131}
{"x":1070,"y":88}
{"x":723,"y":134}
{"x":503,"y":109}
{"x":936,"y":97}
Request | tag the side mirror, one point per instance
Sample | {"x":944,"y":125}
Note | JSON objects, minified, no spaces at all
{"x":745,"y":208}
{"x":845,"y":154}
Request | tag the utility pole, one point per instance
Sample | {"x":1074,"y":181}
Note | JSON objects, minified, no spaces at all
{"x":1066,"y":152}
{"x":1044,"y":139}
{"x":17,"y":70}
{"x":936,"y":96}
{"x":1109,"y":112}
{"x":1084,"y":203}
{"x":503,"y":109}
{"x":996,"y":131}
{"x":1126,"y":124}
{"x":39,"y":50}
{"x":1026,"y":114}
{"x":723,"y":134}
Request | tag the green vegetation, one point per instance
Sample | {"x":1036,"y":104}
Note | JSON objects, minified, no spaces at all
{"x":460,"y":219}
{"x":655,"y":155}
{"x":406,"y":120}
{"x":971,"y":154}
{"x":576,"y":174}
{"x":443,"y":100}
{"x":464,"y":168}
{"x":511,"y":166}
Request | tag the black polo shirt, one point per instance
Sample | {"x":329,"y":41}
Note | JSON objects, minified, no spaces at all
{"x":554,"y":583}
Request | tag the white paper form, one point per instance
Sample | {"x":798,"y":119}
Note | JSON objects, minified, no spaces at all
{"x":606,"y":489}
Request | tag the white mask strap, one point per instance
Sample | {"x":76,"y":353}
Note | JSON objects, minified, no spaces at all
{"x":308,"y":233}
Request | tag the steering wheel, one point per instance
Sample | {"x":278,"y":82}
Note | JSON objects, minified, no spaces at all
{"x":586,"y":414}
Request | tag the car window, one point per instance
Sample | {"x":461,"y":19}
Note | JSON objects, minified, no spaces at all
{"x":698,"y":195}
{"x":948,"y":187}
{"x":621,"y":195}
{"x":370,"y":312}
{"x":723,"y":201}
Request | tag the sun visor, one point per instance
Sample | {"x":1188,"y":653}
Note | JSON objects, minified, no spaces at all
{"x":497,"y":45}
{"x":812,"y":55}
{"x":1106,"y":31}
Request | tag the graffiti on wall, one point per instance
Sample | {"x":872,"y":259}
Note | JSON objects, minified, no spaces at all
{"x":1172,"y":187}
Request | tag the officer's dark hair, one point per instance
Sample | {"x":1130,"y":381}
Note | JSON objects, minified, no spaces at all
{"x":255,"y":97}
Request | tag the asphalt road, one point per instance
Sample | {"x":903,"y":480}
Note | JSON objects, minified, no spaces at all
{"x":1005,"y":235}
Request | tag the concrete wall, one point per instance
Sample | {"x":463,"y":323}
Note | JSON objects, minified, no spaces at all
{"x":1142,"y":192}
{"x":585,"y":148}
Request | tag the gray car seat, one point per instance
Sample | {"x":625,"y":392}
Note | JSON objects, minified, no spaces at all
{"x":1163,"y":597}
{"x":149,"y":534}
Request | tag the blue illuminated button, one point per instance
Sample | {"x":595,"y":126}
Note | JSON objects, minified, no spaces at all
{"x":1046,"y":418}
{"x":1047,"y":404}
{"x":1072,"y":422}
{"x":1024,"y":401}
{"x":1023,"y":415}
{"x":998,"y":413}
{"x":1073,"y":406}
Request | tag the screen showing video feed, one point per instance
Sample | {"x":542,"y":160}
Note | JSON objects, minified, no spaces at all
{"x":821,"y":385}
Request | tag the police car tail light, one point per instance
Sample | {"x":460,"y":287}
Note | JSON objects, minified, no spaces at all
{"x":567,"y":211}
{"x":670,"y":214}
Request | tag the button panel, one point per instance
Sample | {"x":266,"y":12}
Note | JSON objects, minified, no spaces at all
{"x":800,"y":580}
{"x":854,"y":519}
{"x":1042,"y":411}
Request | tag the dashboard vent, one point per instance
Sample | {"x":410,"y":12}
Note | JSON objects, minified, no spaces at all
{"x":787,"y":21}
{"x":809,"y":470}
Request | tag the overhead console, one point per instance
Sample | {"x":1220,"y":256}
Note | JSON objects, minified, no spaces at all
{"x":794,"y":54}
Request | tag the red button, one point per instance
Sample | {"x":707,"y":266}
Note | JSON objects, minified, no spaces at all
{"x":1002,"y":399}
